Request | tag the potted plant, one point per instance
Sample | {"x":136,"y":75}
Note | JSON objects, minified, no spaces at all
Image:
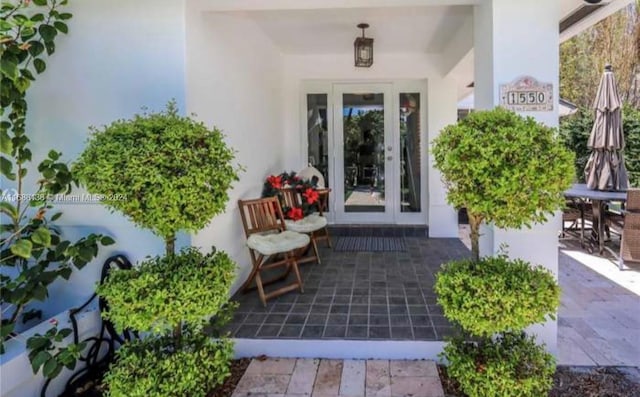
{"x":177,"y":173}
{"x":510,"y":171}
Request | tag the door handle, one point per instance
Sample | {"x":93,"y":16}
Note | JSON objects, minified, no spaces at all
{"x":389,"y":148}
{"x":389,"y":158}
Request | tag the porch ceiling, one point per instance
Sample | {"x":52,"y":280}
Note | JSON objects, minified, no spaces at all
{"x":332,"y":31}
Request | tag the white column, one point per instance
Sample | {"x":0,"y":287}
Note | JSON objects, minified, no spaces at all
{"x":442,"y":111}
{"x":512,"y":39}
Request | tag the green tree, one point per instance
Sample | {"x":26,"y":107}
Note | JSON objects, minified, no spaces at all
{"x":503,"y":168}
{"x":614,"y":40}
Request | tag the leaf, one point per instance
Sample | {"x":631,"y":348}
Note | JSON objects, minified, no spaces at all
{"x":50,"y":47}
{"x":53,"y":155}
{"x":51,"y":368}
{"x":9,"y":68}
{"x":8,"y":209}
{"x":6,"y":329}
{"x":36,"y":48}
{"x":40,"y":2}
{"x":6,"y":167}
{"x":61,"y":26}
{"x":39,"y":359}
{"x":42,"y":236}
{"x":106,"y":240}
{"x":86,"y":253}
{"x":65,"y":273}
{"x":64,"y":16}
{"x":65,"y":332}
{"x":5,"y":143}
{"x":37,"y":342}
{"x":38,"y":17}
{"x":47,"y":32}
{"x":22,"y":248}
{"x":39,"y":64}
{"x":39,"y":293}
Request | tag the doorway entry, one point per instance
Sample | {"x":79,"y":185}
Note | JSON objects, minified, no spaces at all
{"x":369,"y":142}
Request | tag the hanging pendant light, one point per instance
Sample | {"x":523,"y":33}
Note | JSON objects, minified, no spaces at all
{"x":363,"y":49}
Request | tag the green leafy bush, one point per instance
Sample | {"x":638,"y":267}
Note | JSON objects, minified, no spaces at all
{"x":164,"y":292}
{"x":174,"y":172}
{"x":496,"y":294}
{"x":575,"y":131}
{"x":511,"y":365}
{"x":151,"y":368}
{"x":167,"y":173}
{"x":503,"y":168}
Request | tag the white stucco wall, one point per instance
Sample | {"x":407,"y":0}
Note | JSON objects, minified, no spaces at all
{"x":235,"y":81}
{"x":118,"y":57}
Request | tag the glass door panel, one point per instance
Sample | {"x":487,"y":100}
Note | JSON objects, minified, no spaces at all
{"x":364,"y":154}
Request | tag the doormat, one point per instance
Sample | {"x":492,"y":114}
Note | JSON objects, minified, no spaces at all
{"x":370,"y":244}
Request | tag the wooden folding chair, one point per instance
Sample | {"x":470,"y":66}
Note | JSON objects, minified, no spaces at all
{"x":315,"y":225}
{"x":270,"y":245}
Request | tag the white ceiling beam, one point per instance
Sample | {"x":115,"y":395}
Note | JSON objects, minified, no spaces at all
{"x":264,"y":5}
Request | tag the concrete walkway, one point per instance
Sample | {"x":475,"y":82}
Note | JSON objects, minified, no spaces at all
{"x":275,"y":377}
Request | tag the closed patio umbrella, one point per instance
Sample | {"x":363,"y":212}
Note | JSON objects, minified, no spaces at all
{"x":605,"y":168}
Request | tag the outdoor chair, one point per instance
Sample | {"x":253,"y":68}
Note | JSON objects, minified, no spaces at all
{"x":575,"y":211}
{"x":615,"y":219}
{"x":314,"y":225}
{"x":630,"y":240}
{"x":270,"y":245}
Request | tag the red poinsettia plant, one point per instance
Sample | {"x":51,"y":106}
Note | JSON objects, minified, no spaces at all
{"x":310,"y":197}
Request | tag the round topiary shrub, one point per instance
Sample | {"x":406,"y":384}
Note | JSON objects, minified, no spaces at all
{"x":503,"y":168}
{"x":164,"y":292}
{"x":510,"y":365}
{"x":163,"y":171}
{"x":152,"y":368}
{"x":496,"y":294}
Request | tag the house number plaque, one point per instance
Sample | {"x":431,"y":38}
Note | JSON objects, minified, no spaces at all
{"x":526,"y":94}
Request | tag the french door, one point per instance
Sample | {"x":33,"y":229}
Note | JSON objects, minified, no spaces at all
{"x":374,"y":154}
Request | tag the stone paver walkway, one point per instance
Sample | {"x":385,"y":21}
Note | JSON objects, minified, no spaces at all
{"x":335,"y":378}
{"x":598,"y":320}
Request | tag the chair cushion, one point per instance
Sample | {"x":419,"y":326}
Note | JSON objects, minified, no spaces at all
{"x":275,"y":243}
{"x":308,"y":224}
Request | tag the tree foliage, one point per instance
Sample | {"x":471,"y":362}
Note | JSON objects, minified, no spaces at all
{"x":175,"y":172}
{"x":614,"y":40}
{"x":496,"y":294}
{"x":196,"y":285}
{"x":503,"y":168}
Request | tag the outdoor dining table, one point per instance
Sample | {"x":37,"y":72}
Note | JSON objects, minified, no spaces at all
{"x":599,"y":198}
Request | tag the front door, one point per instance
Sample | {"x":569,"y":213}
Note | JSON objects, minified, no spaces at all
{"x":364,"y":160}
{"x":369,"y":142}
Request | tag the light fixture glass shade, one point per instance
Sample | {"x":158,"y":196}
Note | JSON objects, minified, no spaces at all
{"x":363,"y":52}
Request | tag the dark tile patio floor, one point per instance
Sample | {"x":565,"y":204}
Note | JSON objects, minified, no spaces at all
{"x":357,"y":295}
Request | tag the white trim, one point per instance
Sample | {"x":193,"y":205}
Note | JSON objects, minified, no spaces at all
{"x":339,"y":349}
